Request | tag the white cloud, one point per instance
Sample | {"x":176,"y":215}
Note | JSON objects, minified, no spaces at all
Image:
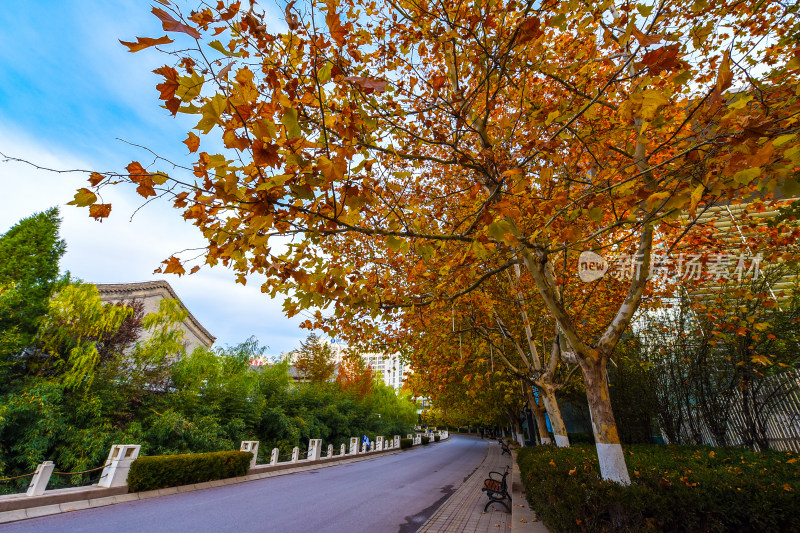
{"x":121,"y":249}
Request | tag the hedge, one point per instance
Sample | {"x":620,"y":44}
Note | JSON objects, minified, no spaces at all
{"x":673,"y":489}
{"x":159,"y":471}
{"x":406,"y":443}
{"x":437,"y":438}
{"x":426,"y":440}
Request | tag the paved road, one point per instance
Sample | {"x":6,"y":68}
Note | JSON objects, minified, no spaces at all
{"x":393,"y":493}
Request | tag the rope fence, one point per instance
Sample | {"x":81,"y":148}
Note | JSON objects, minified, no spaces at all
{"x":16,"y":477}
{"x":82,"y":471}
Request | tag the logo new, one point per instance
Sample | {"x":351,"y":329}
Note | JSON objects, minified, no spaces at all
{"x":591,"y":266}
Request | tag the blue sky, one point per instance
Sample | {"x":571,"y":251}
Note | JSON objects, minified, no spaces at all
{"x":68,"y":91}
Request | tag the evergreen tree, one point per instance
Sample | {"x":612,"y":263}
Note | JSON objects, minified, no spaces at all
{"x":29,"y":274}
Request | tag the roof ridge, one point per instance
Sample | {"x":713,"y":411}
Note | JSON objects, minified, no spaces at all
{"x":154,"y":284}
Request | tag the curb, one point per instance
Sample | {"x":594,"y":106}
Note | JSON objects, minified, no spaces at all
{"x":265,"y":472}
{"x":523,"y":518}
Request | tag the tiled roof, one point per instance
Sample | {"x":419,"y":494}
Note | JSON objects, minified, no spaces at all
{"x":121,"y":290}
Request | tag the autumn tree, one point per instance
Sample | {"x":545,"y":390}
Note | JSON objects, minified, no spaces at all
{"x":504,"y":132}
{"x":355,"y":375}
{"x":314,"y":360}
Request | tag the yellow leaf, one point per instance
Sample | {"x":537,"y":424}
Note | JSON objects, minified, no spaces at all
{"x":743,"y":177}
{"x":394,"y":243}
{"x":697,"y":195}
{"x":741,"y":102}
{"x":656,"y":198}
{"x":652,"y":99}
{"x":783,"y":139}
{"x":289,"y":119}
{"x":552,"y":116}
{"x":83,"y":198}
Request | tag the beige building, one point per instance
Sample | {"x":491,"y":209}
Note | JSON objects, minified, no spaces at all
{"x":150,"y":293}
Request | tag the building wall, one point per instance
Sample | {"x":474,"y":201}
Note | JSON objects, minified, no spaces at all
{"x":151,"y":293}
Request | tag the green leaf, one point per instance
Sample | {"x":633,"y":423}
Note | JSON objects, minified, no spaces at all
{"x":791,"y":187}
{"x":289,"y":119}
{"x":682,"y":78}
{"x":499,"y":229}
{"x":394,"y":243}
{"x":596,"y":214}
{"x":644,"y":10}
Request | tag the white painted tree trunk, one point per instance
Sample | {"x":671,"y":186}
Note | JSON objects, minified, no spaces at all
{"x":556,"y":420}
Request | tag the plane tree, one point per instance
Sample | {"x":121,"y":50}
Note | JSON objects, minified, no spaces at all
{"x":511,"y":131}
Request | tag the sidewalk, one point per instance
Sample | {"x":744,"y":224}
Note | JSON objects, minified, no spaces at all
{"x":463,"y":511}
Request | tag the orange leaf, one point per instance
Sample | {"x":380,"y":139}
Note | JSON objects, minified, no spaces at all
{"x":368,"y":84}
{"x":146,"y":190}
{"x":171,"y":82}
{"x":136,"y":169}
{"x":646,"y":40}
{"x":335,"y":24}
{"x":95,"y":178}
{"x":145,"y":42}
{"x":724,"y":75}
{"x":192,"y":142}
{"x":174,"y":266}
{"x":98,"y":211}
{"x":170,"y":24}
{"x":529,"y":30}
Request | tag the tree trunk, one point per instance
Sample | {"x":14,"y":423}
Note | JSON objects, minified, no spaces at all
{"x":604,"y":427}
{"x":556,"y":420}
{"x":538,"y":414}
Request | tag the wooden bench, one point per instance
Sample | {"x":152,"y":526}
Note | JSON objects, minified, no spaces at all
{"x":497,"y":489}
{"x":505,"y":447}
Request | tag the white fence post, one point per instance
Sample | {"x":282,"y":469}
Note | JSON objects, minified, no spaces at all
{"x":397,"y":441}
{"x":295,"y":454}
{"x":273,"y":460}
{"x":40,"y":479}
{"x":353,"y":445}
{"x":314,"y":449}
{"x":252,"y":447}
{"x":342,"y":449}
{"x":115,"y":474}
{"x":330,"y":451}
{"x":378,"y":444}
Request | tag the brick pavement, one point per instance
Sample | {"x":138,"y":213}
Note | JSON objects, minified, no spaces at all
{"x":463,"y":511}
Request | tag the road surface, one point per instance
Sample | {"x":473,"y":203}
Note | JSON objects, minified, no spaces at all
{"x":388,"y":493}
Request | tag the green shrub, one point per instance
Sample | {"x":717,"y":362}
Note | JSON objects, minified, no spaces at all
{"x":159,"y":471}
{"x":437,"y":438}
{"x":674,"y":488}
{"x":580,"y":437}
{"x":406,"y":443}
{"x":426,"y":440}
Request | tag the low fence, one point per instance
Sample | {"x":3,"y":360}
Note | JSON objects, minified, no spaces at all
{"x":121,"y":456}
